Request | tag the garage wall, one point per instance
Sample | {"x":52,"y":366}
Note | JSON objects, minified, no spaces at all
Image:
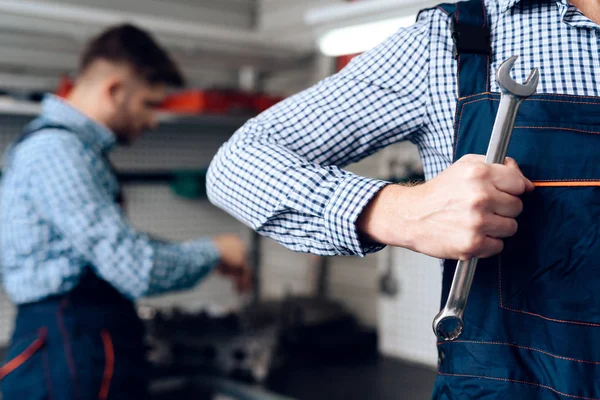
{"x":405,"y":319}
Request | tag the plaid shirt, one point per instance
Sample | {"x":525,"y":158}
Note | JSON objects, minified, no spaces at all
{"x":58,"y":215}
{"x":282,"y":172}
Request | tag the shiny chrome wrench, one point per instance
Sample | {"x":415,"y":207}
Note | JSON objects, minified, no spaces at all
{"x":448,"y":324}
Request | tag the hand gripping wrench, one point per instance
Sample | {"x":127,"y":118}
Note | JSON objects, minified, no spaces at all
{"x":448,"y":324}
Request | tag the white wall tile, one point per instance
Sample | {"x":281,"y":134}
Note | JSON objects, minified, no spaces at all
{"x":405,"y":320}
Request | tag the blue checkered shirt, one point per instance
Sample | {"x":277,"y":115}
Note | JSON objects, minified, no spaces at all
{"x":282,"y":173}
{"x":59,"y":215}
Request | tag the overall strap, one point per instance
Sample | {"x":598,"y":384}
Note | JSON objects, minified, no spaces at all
{"x":472,"y":47}
{"x":38,"y":125}
{"x":31,"y":129}
{"x":41,"y":123}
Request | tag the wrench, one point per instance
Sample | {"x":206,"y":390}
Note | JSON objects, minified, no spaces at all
{"x":448,"y":324}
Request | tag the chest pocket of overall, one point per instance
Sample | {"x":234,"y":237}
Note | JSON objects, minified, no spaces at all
{"x":551,"y":268}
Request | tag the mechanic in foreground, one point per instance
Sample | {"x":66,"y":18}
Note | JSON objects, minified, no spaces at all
{"x":533,"y":318}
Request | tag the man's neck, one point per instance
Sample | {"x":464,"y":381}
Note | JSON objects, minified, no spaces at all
{"x":82,"y":100}
{"x":590,"y":8}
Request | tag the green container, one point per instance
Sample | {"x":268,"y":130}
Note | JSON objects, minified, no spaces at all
{"x":189,"y":184}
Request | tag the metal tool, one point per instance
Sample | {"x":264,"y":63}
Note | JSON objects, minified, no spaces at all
{"x":448,"y":324}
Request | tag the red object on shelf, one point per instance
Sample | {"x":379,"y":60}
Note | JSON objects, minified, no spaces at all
{"x":218,"y":102}
{"x":65,"y":85}
{"x":239,"y":102}
{"x":342,"y":61}
{"x":185,"y":102}
{"x":202,"y":101}
{"x":264,"y":102}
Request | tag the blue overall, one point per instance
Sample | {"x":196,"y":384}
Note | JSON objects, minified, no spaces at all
{"x":83,"y":345}
{"x":532,"y":323}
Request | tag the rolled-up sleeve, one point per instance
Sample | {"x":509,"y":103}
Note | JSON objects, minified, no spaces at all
{"x":282,"y":173}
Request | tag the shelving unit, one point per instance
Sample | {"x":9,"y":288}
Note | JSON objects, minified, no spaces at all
{"x":9,"y":106}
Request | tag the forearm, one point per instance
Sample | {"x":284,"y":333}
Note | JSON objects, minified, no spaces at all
{"x":138,"y":266}
{"x":305,"y":206}
{"x":388,"y":218}
{"x":178,"y":266}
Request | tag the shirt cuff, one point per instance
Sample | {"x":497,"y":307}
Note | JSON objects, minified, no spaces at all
{"x":342,"y":211}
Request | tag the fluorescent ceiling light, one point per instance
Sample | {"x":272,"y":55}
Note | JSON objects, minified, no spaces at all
{"x":360,"y":38}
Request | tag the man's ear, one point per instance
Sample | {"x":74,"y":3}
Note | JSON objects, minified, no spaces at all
{"x":114,"y":90}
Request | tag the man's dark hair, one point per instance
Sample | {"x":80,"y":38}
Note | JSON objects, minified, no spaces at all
{"x":133,"y":46}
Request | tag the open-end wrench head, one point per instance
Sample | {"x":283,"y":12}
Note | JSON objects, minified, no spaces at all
{"x":509,"y":86}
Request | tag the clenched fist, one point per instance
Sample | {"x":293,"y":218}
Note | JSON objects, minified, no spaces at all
{"x":463,"y":213}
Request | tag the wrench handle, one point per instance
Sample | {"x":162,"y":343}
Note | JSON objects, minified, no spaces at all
{"x":449,"y":324}
{"x":503,"y":127}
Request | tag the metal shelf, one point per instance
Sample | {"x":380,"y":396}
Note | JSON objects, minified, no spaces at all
{"x":9,"y":106}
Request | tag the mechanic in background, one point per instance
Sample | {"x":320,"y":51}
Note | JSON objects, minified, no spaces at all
{"x":71,"y":261}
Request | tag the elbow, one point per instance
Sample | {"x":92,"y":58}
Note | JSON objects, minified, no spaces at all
{"x":213,"y":177}
{"x":222,"y":175}
{"x":224,"y":171}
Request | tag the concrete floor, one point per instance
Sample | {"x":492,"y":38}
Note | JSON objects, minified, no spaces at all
{"x":382,"y":379}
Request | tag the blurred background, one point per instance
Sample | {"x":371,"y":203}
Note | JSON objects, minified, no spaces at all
{"x":315,"y":328}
